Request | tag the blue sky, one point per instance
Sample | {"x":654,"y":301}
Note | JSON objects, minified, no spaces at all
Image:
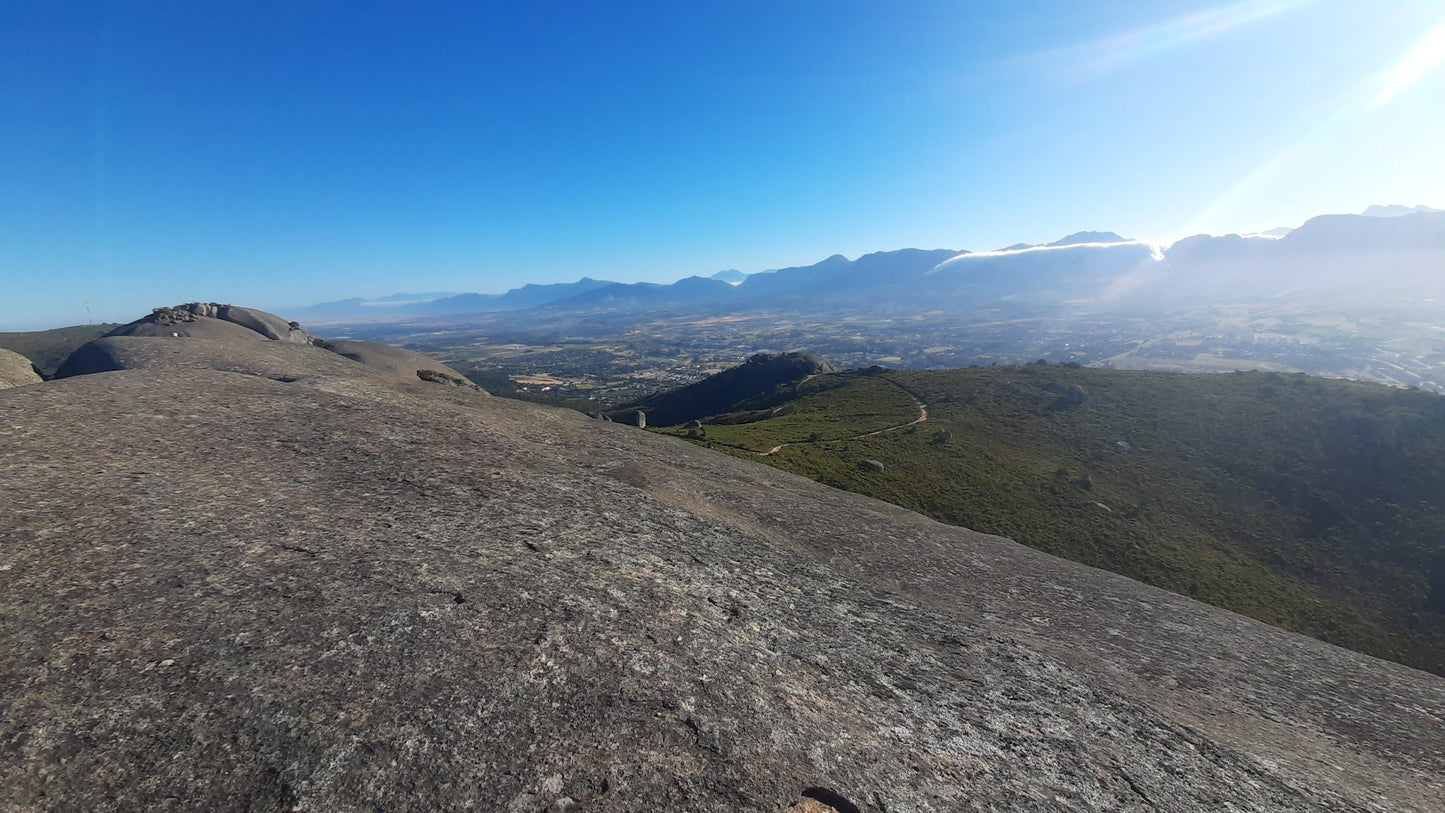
{"x":284,"y":153}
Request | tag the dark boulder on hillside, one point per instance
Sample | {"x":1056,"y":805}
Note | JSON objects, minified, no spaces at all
{"x":219,"y":591}
{"x":16,"y":370}
{"x":1070,"y":397}
{"x":731,"y":390}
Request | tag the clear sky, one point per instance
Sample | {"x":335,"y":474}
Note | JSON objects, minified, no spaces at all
{"x":284,"y":153}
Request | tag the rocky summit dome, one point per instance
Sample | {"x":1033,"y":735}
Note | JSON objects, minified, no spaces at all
{"x":221,"y":590}
{"x":212,"y":320}
{"x":244,"y":340}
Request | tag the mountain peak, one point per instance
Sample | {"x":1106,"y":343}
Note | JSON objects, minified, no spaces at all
{"x":1396,"y":210}
{"x":732,"y":276}
{"x":1090,"y":237}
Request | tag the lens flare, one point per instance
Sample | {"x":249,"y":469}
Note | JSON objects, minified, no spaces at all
{"x":1121,"y":50}
{"x":1422,"y":59}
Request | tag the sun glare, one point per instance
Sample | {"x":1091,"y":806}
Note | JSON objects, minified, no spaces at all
{"x":1129,"y":47}
{"x":1422,"y":59}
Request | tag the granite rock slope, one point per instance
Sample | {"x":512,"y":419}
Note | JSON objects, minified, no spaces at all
{"x":398,"y":362}
{"x":16,"y":370}
{"x":226,"y":591}
{"x":211,"y":336}
{"x":268,"y":359}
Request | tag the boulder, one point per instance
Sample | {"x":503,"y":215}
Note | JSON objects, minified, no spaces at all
{"x":16,"y":370}
{"x":1072,"y":397}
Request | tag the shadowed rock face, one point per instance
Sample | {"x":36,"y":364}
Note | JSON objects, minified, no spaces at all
{"x":16,"y":370}
{"x":223,"y":591}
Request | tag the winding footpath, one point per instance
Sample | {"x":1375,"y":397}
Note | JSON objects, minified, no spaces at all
{"x":922,"y":416}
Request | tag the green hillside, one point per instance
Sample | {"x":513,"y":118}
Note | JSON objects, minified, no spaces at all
{"x":755,"y":384}
{"x":1311,"y":504}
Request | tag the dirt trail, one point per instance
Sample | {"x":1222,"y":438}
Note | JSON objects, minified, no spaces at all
{"x":922,"y":416}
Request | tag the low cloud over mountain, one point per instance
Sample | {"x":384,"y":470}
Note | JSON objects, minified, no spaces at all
{"x":1396,"y":251}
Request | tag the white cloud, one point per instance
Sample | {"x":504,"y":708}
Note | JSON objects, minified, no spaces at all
{"x":1155,"y":252}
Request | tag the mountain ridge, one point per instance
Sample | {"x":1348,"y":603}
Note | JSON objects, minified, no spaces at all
{"x":1093,"y":266}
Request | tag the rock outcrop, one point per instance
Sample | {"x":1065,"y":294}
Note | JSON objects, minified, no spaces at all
{"x":226,"y":337}
{"x":1071,"y":397}
{"x":283,"y":361}
{"x":212,"y":320}
{"x":16,"y":370}
{"x":224,"y":591}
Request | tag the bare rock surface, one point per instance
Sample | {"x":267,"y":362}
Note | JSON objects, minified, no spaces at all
{"x":211,"y":336}
{"x":269,"y":359}
{"x":398,"y":362}
{"x":225,"y":591}
{"x":16,"y":370}
{"x":213,"y":320}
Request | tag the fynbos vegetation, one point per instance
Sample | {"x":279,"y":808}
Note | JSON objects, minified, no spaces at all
{"x":1312,"y":504}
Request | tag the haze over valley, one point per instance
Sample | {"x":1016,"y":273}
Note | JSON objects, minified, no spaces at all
{"x":1345,"y":296}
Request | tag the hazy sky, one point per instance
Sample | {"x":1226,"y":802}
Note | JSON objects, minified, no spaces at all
{"x":285,"y":153}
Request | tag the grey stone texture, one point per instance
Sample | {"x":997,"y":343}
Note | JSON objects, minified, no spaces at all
{"x":224,"y":591}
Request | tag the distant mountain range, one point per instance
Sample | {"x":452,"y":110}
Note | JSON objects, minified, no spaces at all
{"x":1396,"y":211}
{"x":1386,"y":253}
{"x":731,"y":276}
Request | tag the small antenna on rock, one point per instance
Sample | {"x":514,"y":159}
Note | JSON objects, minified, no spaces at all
{"x":88,"y":318}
